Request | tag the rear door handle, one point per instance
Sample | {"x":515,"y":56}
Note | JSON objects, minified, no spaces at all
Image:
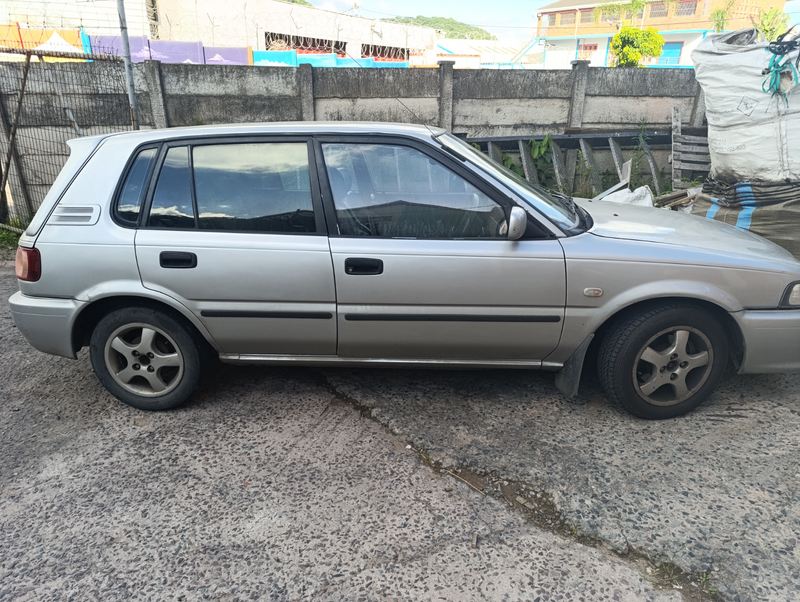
{"x":363,"y":266}
{"x":179,"y":260}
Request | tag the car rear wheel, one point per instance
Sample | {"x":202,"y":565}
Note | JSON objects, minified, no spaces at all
{"x":663,"y":362}
{"x":146,"y":358}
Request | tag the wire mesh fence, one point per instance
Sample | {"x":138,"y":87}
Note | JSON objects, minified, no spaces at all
{"x":47,"y":98}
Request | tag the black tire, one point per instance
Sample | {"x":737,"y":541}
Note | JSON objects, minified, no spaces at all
{"x":664,"y":361}
{"x":147,"y":358}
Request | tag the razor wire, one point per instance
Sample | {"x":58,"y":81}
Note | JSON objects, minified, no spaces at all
{"x":46,"y":99}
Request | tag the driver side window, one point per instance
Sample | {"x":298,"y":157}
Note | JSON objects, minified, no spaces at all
{"x":394,"y":191}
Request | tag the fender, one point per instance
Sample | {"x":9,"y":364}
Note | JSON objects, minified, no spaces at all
{"x":134,"y":288}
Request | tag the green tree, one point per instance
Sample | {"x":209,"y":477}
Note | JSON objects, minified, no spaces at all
{"x":300,"y":2}
{"x":453,"y":29}
{"x":720,"y":16}
{"x":771,"y":23}
{"x":632,"y":43}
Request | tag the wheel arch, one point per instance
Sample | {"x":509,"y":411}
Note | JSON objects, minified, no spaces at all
{"x":91,"y":314}
{"x":568,"y":378}
{"x":735,"y":335}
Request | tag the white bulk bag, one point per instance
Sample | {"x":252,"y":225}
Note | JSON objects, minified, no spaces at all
{"x":752,"y":135}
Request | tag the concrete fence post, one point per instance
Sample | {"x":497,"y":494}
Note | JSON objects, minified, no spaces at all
{"x":155,"y":86}
{"x":698,"y":108}
{"x":580,"y":75}
{"x":306,"y":75}
{"x":446,"y":95}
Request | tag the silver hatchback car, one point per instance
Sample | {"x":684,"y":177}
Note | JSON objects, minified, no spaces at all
{"x":356,"y":244}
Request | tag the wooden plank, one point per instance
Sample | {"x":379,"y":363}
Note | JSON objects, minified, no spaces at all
{"x":699,"y":139}
{"x":527,"y":163}
{"x":685,"y":148}
{"x":692,"y":166}
{"x":681,"y":201}
{"x":684,"y":157}
{"x":591,"y":166}
{"x":666,"y":198}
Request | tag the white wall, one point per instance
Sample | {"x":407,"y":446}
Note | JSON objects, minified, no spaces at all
{"x":243,"y":23}
{"x":98,"y":17}
{"x":559,"y":54}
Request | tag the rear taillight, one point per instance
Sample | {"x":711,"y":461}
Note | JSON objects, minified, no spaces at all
{"x":29,"y":264}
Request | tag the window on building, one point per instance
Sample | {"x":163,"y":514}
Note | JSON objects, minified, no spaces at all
{"x":587,"y":16}
{"x":548,"y":20}
{"x":586,"y":51}
{"x":658,"y":11}
{"x":639,"y":15}
{"x":567,"y":19}
{"x":686,"y":9}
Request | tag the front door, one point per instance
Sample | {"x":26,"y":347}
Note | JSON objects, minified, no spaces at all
{"x":423,"y":266}
{"x":234,"y":232}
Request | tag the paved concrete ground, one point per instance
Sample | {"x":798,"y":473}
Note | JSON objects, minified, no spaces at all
{"x":277,"y":484}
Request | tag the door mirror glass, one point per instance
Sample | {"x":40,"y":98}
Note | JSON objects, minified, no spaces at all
{"x":517,"y":223}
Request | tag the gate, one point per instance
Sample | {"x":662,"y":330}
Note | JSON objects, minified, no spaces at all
{"x":47,"y":98}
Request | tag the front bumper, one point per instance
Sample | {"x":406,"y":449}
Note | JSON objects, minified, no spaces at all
{"x":46,"y":323}
{"x":771,"y":340}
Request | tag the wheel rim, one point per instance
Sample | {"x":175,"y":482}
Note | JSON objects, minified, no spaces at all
{"x":144,"y":360}
{"x":673,"y":365}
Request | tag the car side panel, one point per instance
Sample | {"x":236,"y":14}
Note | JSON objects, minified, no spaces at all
{"x":492,"y":299}
{"x":256,"y":293}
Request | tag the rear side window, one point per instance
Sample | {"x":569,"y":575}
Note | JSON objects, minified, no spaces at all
{"x":172,"y":202}
{"x":258,"y":187}
{"x":129,"y":204}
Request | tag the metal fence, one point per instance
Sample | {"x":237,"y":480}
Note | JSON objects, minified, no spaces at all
{"x":47,"y":98}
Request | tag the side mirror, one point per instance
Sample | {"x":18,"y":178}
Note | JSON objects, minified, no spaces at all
{"x":517,"y":223}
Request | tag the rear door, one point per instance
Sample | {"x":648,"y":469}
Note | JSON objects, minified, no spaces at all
{"x":423,"y":266}
{"x":233,"y":229}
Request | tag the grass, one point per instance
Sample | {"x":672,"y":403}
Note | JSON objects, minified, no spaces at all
{"x":8,"y":239}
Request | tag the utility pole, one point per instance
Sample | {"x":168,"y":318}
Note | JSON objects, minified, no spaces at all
{"x":126,"y":58}
{"x":355,"y":9}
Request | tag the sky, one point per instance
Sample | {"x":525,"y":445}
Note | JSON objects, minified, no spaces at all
{"x":503,"y":18}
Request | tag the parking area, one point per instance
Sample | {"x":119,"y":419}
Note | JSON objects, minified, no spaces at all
{"x":293,"y":484}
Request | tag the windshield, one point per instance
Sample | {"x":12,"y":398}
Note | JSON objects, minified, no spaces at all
{"x":561,"y":210}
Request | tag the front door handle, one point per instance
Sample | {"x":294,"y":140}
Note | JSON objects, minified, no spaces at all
{"x":363,"y":266}
{"x":177,"y":260}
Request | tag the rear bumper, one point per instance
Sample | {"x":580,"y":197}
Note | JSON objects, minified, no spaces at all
{"x":46,"y":323}
{"x":771,"y":340}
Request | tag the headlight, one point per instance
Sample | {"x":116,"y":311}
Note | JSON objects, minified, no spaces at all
{"x":791,"y":298}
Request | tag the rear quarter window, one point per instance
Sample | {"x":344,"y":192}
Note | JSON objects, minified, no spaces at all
{"x":131,"y":197}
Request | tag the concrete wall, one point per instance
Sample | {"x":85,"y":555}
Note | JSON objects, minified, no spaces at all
{"x":478,"y":104}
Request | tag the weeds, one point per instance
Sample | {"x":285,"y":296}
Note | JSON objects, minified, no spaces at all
{"x":8,"y":239}
{"x":705,"y":583}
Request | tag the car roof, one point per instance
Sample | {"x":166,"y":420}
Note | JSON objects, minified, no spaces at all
{"x":285,"y":127}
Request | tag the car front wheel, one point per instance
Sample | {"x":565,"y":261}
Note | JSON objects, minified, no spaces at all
{"x":146,"y":358}
{"x":663,"y":362}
